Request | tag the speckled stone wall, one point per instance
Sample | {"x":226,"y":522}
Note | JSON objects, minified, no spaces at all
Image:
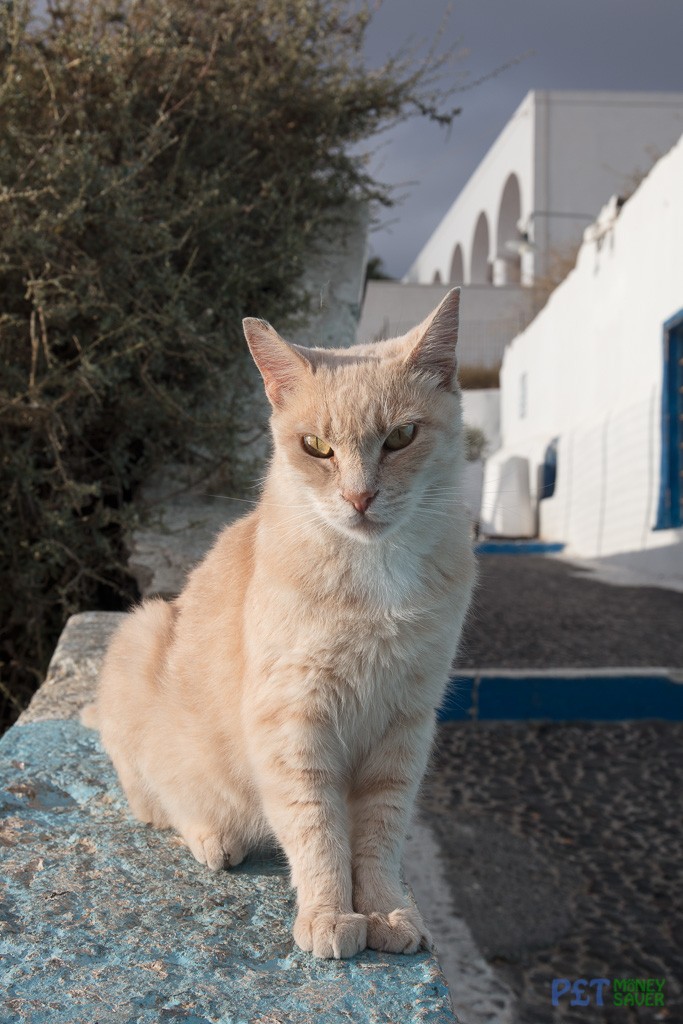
{"x":105,"y":920}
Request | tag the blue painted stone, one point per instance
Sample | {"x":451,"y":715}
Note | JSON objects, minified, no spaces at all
{"x":107,"y":921}
{"x":564,"y":695}
{"x":518,"y":547}
{"x":458,"y":704}
{"x":581,"y":696}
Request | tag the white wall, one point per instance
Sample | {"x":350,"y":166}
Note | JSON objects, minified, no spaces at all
{"x":589,"y":146}
{"x":512,"y":152}
{"x":489,"y":318}
{"x":334,"y":279}
{"x":569,"y":152}
{"x":481,"y":408}
{"x":592,"y":363}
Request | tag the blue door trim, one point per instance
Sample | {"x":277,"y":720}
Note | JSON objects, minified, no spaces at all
{"x":670,"y":482}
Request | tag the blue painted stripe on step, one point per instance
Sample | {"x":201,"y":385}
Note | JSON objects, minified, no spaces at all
{"x":518,"y":547}
{"x":459,"y":700}
{"x":564,"y":695}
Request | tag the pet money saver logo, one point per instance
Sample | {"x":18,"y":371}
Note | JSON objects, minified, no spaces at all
{"x":605,"y":991}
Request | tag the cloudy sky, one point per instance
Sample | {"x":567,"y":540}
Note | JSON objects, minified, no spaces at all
{"x":559,"y":44}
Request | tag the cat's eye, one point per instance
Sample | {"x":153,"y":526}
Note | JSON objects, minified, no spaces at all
{"x":400,"y":437}
{"x":316,"y":446}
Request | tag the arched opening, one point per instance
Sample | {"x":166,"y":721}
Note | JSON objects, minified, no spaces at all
{"x":457,"y":275}
{"x":508,"y":263}
{"x":480,"y":272}
{"x":437,"y":277}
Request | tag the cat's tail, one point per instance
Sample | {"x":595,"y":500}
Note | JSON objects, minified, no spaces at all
{"x":89,"y":717}
{"x":133,"y":663}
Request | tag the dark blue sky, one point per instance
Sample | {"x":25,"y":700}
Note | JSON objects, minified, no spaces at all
{"x":575,"y":44}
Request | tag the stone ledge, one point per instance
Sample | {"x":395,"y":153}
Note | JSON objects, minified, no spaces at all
{"x":104,"y":919}
{"x":74,"y":667}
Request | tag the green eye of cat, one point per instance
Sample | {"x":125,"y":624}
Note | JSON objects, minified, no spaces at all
{"x":316,"y":446}
{"x":400,"y":437}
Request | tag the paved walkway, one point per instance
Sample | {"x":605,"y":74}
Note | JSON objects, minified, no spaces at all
{"x":534,"y":611}
{"x":561,"y":848}
{"x":559,"y":845}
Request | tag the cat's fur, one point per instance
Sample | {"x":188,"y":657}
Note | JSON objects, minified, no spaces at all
{"x":290,"y":690}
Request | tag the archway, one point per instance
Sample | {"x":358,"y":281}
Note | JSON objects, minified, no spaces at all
{"x":480,"y":272}
{"x":457,"y":275}
{"x":507,"y":269}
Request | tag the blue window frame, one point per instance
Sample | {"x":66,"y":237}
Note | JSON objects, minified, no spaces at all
{"x":670,"y":509}
{"x":549,"y":471}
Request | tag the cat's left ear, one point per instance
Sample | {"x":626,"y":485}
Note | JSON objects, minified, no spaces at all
{"x":437,"y":337}
{"x":281,"y":365}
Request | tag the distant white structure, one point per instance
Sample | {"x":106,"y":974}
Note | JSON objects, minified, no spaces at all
{"x":334,"y":276}
{"x":544,"y":180}
{"x":488,"y":318}
{"x":595,"y":384}
{"x":549,"y":172}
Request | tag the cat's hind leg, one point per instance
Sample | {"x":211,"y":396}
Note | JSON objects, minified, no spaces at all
{"x":219,"y":831}
{"x":144,"y":805}
{"x":211,"y":844}
{"x":124,"y":711}
{"x":215,"y":848}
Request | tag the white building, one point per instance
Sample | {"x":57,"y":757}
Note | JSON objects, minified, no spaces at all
{"x":554,"y":165}
{"x":598,"y":375}
{"x":489,"y":318}
{"x":549,"y":172}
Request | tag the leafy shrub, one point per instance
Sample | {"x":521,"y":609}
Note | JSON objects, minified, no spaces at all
{"x":165,"y":168}
{"x":474,"y":377}
{"x":476,"y":443}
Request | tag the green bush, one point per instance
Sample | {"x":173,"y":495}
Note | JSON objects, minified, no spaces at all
{"x":165,"y":168}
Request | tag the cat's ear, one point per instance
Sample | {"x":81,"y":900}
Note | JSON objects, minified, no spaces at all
{"x":437,"y":336}
{"x":282,"y":366}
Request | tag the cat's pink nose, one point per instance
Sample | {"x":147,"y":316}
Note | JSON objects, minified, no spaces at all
{"x":360,"y":500}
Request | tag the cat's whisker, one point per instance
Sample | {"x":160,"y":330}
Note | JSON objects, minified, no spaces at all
{"x":295,"y":522}
{"x":431,"y":512}
{"x":446,"y":506}
{"x":287,"y":528}
{"x":441,"y":490}
{"x":258,"y":501}
{"x":447,"y":495}
{"x":231,"y":497}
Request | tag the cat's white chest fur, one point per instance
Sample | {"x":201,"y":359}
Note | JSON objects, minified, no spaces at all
{"x":364,"y":639}
{"x":389,"y":576}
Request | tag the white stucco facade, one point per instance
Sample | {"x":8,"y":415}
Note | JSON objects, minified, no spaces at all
{"x":488,"y":317}
{"x":554,"y":165}
{"x":334,"y":278}
{"x":589,"y":372}
{"x":481,"y":408}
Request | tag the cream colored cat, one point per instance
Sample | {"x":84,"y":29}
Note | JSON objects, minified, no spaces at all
{"x":290,"y":690}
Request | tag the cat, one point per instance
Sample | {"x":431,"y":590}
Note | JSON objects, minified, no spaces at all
{"x":290,"y":690}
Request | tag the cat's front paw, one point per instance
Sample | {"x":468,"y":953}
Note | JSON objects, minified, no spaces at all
{"x":330,"y":935}
{"x":400,"y":931}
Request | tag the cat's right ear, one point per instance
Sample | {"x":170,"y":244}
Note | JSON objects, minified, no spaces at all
{"x":437,"y":338}
{"x":281,"y":366}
